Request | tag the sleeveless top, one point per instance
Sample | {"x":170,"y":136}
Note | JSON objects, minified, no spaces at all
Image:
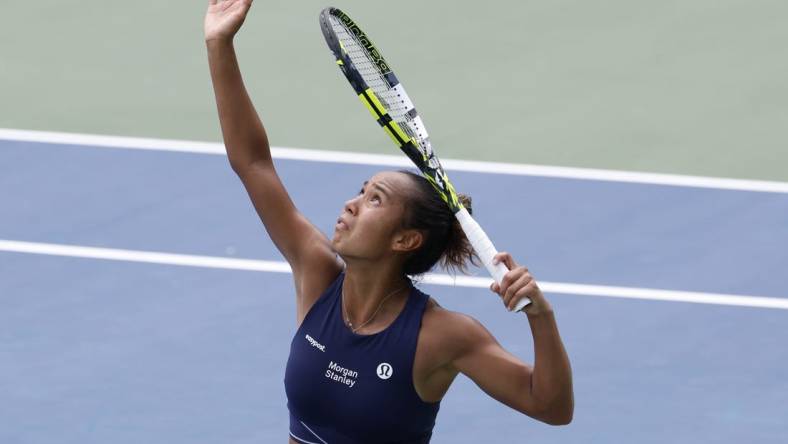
{"x":346,"y":388}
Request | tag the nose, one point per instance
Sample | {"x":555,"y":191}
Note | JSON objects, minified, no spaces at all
{"x":350,"y":205}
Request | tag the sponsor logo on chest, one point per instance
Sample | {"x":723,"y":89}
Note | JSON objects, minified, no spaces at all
{"x":340,"y":374}
{"x":344,"y":375}
{"x":385,"y":370}
{"x":315,"y":344}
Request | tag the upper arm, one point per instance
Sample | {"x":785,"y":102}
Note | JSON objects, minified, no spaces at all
{"x":496,"y":371}
{"x":304,"y":246}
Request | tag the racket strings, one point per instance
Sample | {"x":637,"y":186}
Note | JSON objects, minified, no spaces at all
{"x":375,"y":79}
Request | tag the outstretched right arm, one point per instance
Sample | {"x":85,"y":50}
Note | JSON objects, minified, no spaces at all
{"x":306,"y":248}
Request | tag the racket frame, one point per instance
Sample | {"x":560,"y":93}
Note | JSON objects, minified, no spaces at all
{"x":425,"y":160}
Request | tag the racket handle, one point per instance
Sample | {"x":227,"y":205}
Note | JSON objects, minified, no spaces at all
{"x":485,"y":250}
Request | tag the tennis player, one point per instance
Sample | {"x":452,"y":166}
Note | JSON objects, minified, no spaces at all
{"x":373,"y":356}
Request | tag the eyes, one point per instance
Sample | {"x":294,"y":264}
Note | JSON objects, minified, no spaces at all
{"x":373,"y":197}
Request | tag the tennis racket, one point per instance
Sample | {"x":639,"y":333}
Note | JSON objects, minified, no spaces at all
{"x":381,"y":92}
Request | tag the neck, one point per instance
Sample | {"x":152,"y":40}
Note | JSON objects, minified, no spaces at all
{"x":364,"y":290}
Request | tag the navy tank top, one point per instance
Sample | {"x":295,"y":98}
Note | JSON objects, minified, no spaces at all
{"x":346,"y":388}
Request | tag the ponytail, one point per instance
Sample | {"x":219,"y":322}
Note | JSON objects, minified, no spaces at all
{"x":444,"y":239}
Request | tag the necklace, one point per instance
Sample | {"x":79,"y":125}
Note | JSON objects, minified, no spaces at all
{"x":347,"y":318}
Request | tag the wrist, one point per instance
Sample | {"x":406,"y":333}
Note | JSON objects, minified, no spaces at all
{"x":219,"y":42}
{"x":542,"y":324}
{"x":536,"y":314}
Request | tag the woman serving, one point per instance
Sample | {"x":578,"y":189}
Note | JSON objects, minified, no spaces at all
{"x":373,"y":356}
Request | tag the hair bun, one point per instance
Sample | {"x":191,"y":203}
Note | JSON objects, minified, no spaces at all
{"x":445,"y":241}
{"x":458,"y":248}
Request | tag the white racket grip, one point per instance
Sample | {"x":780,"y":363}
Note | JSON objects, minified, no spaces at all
{"x":485,"y":250}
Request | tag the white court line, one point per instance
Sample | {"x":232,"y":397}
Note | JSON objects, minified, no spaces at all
{"x":401,"y":161}
{"x":431,"y":278}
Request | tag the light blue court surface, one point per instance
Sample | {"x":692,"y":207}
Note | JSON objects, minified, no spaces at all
{"x":97,"y":351}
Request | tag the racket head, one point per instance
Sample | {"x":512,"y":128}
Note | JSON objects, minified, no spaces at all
{"x":375,"y":83}
{"x":379,"y":89}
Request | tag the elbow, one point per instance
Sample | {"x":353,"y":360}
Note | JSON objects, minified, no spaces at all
{"x":244,"y":166}
{"x":557,"y":414}
{"x":559,"y":418}
{"x":239,"y":166}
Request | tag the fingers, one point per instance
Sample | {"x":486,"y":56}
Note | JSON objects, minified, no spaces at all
{"x":517,"y":284}
{"x":526,"y":292}
{"x":512,"y":290}
{"x":511,"y":277}
{"x":508,"y":279}
{"x":506,"y":258}
{"x":227,"y":4}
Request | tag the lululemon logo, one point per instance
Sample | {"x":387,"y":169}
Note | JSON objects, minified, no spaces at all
{"x":385,"y":370}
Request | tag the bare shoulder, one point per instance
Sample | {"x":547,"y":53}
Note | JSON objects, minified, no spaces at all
{"x":451,"y":332}
{"x":434,"y":315}
{"x":446,"y":337}
{"x":449,"y":322}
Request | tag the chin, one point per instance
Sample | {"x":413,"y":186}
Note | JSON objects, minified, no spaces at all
{"x":335,"y":245}
{"x":339,"y":249}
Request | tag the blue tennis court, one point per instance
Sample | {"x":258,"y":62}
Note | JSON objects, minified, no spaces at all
{"x":141,"y":300}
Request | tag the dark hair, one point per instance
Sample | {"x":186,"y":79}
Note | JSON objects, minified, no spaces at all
{"x":444,"y":239}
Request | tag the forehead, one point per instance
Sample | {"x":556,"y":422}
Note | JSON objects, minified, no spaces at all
{"x":391,"y":180}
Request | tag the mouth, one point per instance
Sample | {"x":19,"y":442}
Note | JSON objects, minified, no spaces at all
{"x":341,"y":225}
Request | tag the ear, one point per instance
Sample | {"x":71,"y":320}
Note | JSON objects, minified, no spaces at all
{"x":407,"y":240}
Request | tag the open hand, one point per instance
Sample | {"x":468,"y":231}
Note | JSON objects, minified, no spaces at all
{"x":518,"y":284}
{"x":224,"y":18}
